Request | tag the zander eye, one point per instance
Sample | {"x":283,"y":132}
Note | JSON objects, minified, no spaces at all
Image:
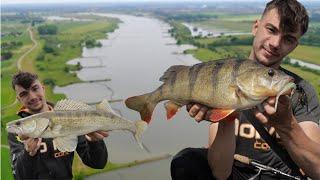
{"x":271,"y":72}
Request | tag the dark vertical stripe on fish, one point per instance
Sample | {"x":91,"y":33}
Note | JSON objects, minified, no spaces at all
{"x":172,"y":80}
{"x":193,"y":75}
{"x":235,"y":69}
{"x":215,"y":71}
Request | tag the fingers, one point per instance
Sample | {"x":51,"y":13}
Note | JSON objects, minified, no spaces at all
{"x":260,"y":116}
{"x":271,"y":100}
{"x":269,"y":108}
{"x":97,"y":136}
{"x":194,"y":110}
{"x":201,"y":114}
{"x":32,"y":145}
{"x":188,"y":106}
{"x":103,"y":133}
{"x":197,"y":111}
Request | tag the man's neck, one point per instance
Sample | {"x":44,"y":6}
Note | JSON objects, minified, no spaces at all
{"x":253,"y":57}
{"x":45,"y":108}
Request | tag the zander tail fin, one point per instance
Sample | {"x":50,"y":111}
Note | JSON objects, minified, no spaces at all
{"x":141,"y":127}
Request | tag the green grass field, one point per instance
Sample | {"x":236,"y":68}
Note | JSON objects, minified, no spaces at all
{"x":220,"y":52}
{"x":309,"y":54}
{"x":239,"y":17}
{"x":6,"y":171}
{"x":225,"y":25}
{"x":309,"y":76}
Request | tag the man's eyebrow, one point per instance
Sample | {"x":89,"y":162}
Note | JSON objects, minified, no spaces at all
{"x":274,"y":27}
{"x":290,"y":36}
{"x":23,"y":92}
{"x":35,"y":85}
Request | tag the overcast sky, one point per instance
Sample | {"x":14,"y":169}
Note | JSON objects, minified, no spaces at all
{"x":95,"y":1}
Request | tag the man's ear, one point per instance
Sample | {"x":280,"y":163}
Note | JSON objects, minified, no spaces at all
{"x":17,"y":97}
{"x":255,"y":27}
{"x":43,"y":87}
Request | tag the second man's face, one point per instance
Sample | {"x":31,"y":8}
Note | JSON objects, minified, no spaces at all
{"x":270,"y":44}
{"x":32,"y":98}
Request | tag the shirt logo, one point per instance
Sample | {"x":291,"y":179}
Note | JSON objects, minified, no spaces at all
{"x":247,"y":131}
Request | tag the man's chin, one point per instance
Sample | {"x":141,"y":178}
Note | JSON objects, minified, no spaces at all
{"x":267,"y":61}
{"x":36,"y":109}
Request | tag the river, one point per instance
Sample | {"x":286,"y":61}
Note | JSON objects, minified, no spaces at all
{"x":198,"y":31}
{"x":134,"y":57}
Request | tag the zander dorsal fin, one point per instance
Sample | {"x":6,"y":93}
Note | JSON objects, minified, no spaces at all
{"x":67,"y":143}
{"x":71,"y":105}
{"x":105,"y":106}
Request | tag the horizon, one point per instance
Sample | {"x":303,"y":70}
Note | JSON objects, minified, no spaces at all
{"x":12,"y":2}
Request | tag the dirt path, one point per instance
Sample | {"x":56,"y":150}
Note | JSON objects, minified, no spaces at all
{"x":35,"y":44}
{"x":19,"y":61}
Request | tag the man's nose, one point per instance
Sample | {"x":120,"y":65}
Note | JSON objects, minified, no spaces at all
{"x":32,"y":95}
{"x":275,"y":42}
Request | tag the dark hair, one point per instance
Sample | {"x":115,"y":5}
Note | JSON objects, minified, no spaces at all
{"x":293,"y":15}
{"x":24,"y":79}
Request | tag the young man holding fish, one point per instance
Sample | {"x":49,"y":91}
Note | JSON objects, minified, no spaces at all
{"x":36,"y":158}
{"x":295,"y":122}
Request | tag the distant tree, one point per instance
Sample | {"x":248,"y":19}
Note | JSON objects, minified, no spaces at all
{"x":48,"y":29}
{"x":90,"y":43}
{"x":49,"y":82}
{"x":40,"y":57}
{"x":6,"y":55}
{"x":48,"y":49}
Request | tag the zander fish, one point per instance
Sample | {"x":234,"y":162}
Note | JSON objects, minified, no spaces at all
{"x":71,"y":119}
{"x":227,"y":86}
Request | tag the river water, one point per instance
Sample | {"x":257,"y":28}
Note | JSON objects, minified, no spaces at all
{"x":198,"y":31}
{"x":134,"y":57}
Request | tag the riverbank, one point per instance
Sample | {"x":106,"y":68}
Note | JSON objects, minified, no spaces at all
{"x":80,"y":171}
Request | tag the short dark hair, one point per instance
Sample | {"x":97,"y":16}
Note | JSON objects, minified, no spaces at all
{"x":293,"y":15}
{"x":24,"y":79}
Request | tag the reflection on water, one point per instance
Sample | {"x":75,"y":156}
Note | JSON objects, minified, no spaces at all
{"x":134,"y":57}
{"x":198,"y":31}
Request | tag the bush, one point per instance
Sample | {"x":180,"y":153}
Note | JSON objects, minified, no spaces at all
{"x":6,"y":55}
{"x":49,"y":82}
{"x":66,"y":69}
{"x":90,"y":43}
{"x":48,"y":29}
{"x":40,"y":57}
{"x":48,"y":49}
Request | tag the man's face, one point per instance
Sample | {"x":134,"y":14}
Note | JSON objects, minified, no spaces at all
{"x":270,"y":44}
{"x":32,"y":98}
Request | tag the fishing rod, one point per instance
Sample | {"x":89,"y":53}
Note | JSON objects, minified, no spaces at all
{"x":262,"y":167}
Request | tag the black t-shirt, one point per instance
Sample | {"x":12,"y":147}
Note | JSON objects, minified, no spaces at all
{"x":305,"y":107}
